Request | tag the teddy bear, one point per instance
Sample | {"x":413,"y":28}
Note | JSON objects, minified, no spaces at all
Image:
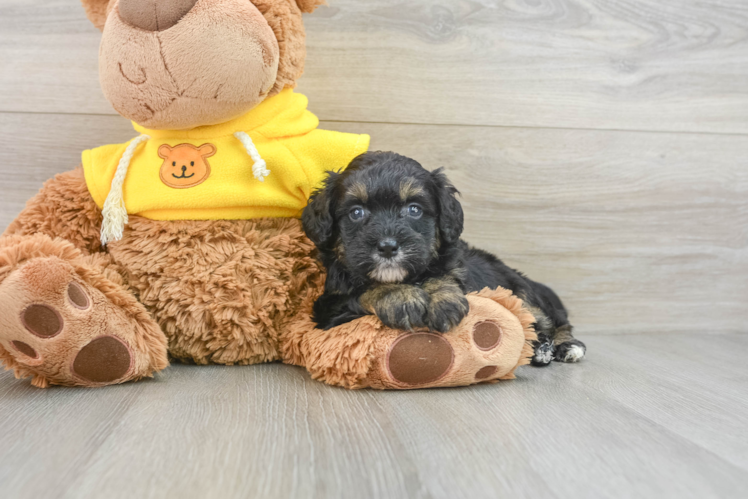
{"x":185,"y":244}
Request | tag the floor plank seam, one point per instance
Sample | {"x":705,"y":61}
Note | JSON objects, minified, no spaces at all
{"x":463,"y":125}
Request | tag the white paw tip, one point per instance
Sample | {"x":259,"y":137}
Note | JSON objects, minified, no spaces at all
{"x":543,"y":356}
{"x":574,"y":354}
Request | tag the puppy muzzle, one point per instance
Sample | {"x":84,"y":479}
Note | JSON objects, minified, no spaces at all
{"x":388,"y":270}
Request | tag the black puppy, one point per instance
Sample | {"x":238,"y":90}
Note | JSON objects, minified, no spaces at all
{"x":388,"y":232}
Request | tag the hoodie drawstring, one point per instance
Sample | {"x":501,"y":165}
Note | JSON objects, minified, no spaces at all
{"x":259,"y":169}
{"x":114,"y":211}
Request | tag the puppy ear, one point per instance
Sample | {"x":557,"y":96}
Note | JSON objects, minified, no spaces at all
{"x":317,"y":219}
{"x":451,"y":218}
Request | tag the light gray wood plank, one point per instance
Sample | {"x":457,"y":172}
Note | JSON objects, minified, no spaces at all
{"x":630,"y":64}
{"x":650,"y":376}
{"x":638,"y":232}
{"x":268,"y":432}
{"x":49,"y":58}
{"x":48,"y":436}
{"x":586,"y":430}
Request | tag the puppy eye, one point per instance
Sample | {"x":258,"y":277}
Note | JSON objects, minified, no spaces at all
{"x":415,"y":211}
{"x":192,"y":164}
{"x":356,"y":213}
{"x":173,"y":164}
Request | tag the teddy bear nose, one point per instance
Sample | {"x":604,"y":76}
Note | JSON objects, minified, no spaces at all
{"x":154,"y":15}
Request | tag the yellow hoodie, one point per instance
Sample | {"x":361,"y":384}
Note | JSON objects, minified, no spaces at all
{"x":214,"y":172}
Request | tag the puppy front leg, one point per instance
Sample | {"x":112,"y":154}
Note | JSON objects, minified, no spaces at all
{"x":331,"y":310}
{"x":448,"y":304}
{"x":397,"y":306}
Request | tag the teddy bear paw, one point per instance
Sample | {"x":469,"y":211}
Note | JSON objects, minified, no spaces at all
{"x":477,"y":350}
{"x":61,"y":330}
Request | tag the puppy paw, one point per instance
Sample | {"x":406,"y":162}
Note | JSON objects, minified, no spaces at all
{"x":543,"y":353}
{"x":570,"y":351}
{"x":402,"y":307}
{"x":447,"y":313}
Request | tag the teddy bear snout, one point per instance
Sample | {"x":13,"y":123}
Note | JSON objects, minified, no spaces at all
{"x":154,"y":15}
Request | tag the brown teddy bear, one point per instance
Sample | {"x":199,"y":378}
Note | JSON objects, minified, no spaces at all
{"x":185,"y":242}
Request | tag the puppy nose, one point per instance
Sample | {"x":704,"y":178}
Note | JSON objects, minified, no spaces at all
{"x":154,"y":15}
{"x":387,"y":247}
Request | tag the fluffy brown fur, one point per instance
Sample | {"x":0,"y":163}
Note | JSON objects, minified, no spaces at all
{"x":221,"y":290}
{"x":63,"y":208}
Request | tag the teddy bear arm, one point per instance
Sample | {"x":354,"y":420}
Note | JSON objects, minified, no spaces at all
{"x":63,"y":208}
{"x":489,"y":344}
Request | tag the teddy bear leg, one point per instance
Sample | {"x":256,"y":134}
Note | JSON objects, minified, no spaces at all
{"x":489,"y":344}
{"x":67,"y":318}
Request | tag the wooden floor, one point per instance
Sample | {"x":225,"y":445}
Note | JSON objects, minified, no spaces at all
{"x":644,"y":416}
{"x":600,"y":146}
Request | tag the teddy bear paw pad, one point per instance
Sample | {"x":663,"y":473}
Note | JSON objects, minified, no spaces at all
{"x":419,"y":358}
{"x":102,"y":360}
{"x":41,"y":320}
{"x":486,"y":372}
{"x":486,"y":335}
{"x":25,"y":349}
{"x":77,"y":296}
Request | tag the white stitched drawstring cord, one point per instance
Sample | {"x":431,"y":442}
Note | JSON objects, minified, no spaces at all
{"x":259,"y":169}
{"x":114,"y":211}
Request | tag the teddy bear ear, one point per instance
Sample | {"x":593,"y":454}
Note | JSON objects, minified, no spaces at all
{"x":207,"y":150}
{"x":309,"y":5}
{"x":96,"y":11}
{"x":164,"y":151}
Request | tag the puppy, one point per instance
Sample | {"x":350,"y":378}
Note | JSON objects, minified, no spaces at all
{"x":388,"y":232}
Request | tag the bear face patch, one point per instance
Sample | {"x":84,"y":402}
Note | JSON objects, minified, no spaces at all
{"x":185,"y":165}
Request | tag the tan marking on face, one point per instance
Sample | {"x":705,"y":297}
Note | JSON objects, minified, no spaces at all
{"x":409,"y":188}
{"x":436,"y":244}
{"x":358,"y":190}
{"x":185,"y":165}
{"x":340,"y":250}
